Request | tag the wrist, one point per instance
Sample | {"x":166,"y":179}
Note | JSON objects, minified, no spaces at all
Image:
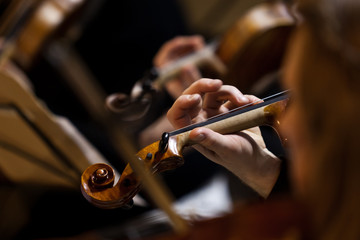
{"x":263,"y":173}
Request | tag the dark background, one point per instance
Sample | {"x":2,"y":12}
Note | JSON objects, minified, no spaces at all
{"x":118,"y":41}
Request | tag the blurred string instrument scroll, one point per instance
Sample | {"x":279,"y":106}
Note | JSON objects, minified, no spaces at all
{"x":252,"y":48}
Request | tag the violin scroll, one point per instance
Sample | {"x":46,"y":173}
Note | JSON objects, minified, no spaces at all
{"x":97,"y":186}
{"x":103,"y":177}
{"x":97,"y":181}
{"x":135,"y":106}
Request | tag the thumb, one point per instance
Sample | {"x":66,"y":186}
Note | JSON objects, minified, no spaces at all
{"x":208,"y":143}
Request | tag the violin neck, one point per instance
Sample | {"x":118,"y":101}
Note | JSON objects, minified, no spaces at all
{"x":256,"y":115}
{"x":205,"y":56}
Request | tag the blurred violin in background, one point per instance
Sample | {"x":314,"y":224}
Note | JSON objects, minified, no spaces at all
{"x":46,"y":21}
{"x":48,"y":29}
{"x":252,"y":48}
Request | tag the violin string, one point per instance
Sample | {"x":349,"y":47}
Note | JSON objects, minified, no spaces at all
{"x":242,"y":109}
{"x":265,"y":99}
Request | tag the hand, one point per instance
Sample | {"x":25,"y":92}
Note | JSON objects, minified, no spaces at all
{"x":173,"y":50}
{"x":243,"y":153}
{"x":176,"y":48}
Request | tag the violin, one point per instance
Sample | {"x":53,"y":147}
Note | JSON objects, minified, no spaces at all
{"x":46,"y":20}
{"x":250,"y":49}
{"x":32,"y":26}
{"x":255,"y":45}
{"x":97,"y":181}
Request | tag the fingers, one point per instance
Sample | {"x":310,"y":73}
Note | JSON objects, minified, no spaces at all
{"x":187,"y":108}
{"x":245,"y":99}
{"x":213,"y":145}
{"x":214,"y":101}
{"x":177,"y":48}
{"x":187,"y":76}
{"x":204,"y":85}
{"x":227,"y":149}
{"x":184,"y":109}
{"x":217,"y":98}
{"x":203,"y":99}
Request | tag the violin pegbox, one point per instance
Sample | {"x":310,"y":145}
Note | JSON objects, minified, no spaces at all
{"x":162,"y":155}
{"x":97,"y":181}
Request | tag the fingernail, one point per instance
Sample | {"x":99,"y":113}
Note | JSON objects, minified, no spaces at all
{"x":198,"y":138}
{"x":244,"y":99}
{"x":193,"y":97}
{"x":216,"y":81}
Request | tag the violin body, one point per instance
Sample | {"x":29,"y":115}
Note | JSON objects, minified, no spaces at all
{"x":250,"y":49}
{"x":255,"y":45}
